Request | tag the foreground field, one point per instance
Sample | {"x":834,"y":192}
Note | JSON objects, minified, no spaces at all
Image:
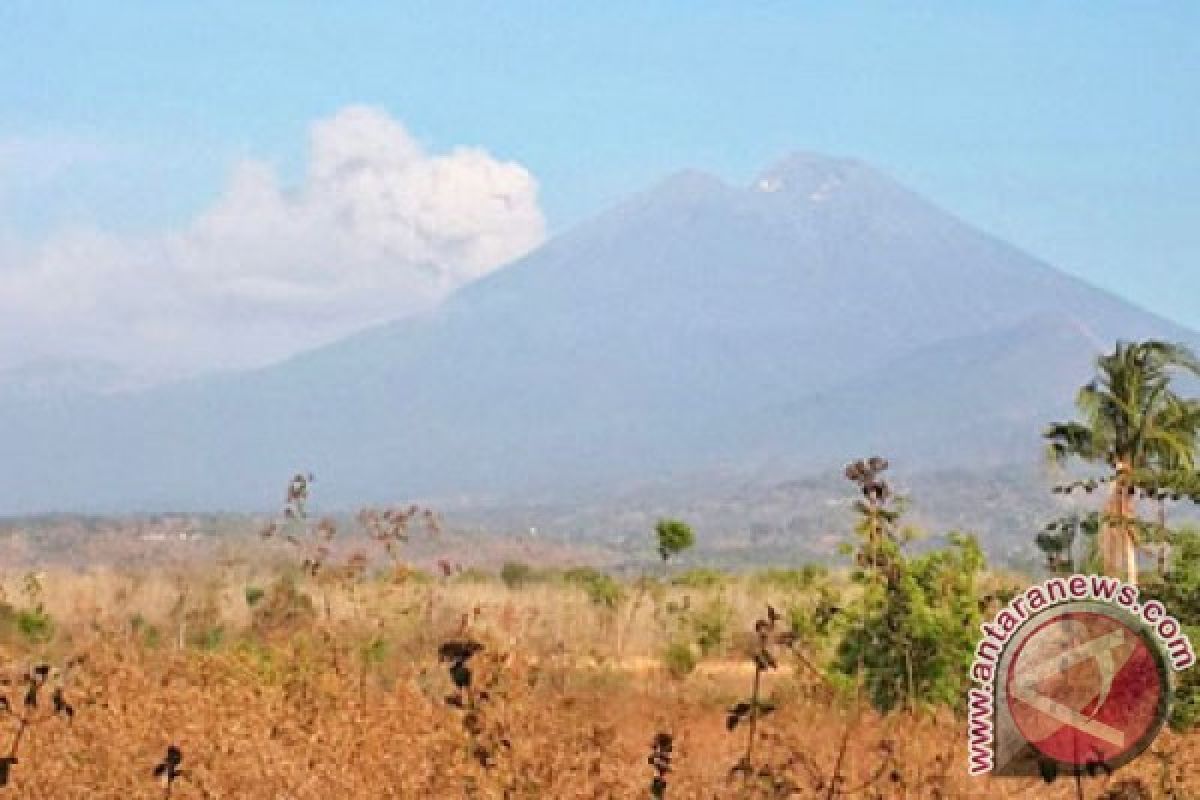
{"x":303,"y":689}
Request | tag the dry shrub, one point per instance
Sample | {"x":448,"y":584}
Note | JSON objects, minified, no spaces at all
{"x":281,"y":710}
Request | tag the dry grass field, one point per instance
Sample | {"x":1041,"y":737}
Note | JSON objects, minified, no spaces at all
{"x":307,"y":689}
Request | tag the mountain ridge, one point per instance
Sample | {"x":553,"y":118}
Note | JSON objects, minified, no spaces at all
{"x":668,"y":333}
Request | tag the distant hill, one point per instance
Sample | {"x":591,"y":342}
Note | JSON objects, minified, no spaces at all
{"x":768,"y":331}
{"x":49,"y":378}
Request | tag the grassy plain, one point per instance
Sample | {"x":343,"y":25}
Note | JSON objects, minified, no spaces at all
{"x":276,"y":684}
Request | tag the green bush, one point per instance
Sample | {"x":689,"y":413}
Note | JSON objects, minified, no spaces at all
{"x":679,"y":660}
{"x":700,"y":578}
{"x":149,"y":635}
{"x":601,"y":588}
{"x":35,"y":624}
{"x":516,"y":574}
{"x":814,"y":617}
{"x":209,"y":638}
{"x":1179,"y":591}
{"x":1185,"y":709}
{"x":912,"y":637}
{"x":374,"y":651}
{"x":711,"y":625}
{"x":791,"y":580}
{"x":253,"y":595}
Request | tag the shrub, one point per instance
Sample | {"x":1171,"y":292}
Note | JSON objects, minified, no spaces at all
{"x":600,"y":587}
{"x":8,"y":618}
{"x":35,"y":624}
{"x":700,"y":578}
{"x":149,"y":635}
{"x":812,"y":619}
{"x":374,"y":651}
{"x":516,"y":574}
{"x":679,"y":660}
{"x":912,"y":632}
{"x":1185,"y":710}
{"x":283,"y":608}
{"x":791,"y":580}
{"x":913,"y":639}
{"x":209,"y":638}
{"x":253,"y":595}
{"x":710,"y":626}
{"x":1179,"y":591}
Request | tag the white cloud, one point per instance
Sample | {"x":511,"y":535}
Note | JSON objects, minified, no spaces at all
{"x":378,"y":228}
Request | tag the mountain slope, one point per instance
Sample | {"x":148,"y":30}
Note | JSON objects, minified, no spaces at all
{"x":976,"y":401}
{"x":696,"y":324}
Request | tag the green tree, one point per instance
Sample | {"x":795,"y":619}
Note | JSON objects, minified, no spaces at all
{"x":1179,"y":590}
{"x":910,"y":634}
{"x":1132,"y":422}
{"x":674,"y":537}
{"x":1061,"y":543}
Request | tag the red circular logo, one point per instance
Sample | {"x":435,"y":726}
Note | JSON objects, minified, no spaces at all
{"x":1086,"y":688}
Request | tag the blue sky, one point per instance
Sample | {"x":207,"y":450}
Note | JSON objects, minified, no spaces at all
{"x":1070,"y":129}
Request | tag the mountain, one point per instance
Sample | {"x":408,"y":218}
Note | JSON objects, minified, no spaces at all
{"x":55,"y":377}
{"x":819,"y":314}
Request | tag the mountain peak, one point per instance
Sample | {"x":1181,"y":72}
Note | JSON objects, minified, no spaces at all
{"x":810,"y":175}
{"x":679,"y":191}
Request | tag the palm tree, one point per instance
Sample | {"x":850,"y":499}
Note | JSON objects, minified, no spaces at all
{"x":1131,"y":421}
{"x":1174,"y":468}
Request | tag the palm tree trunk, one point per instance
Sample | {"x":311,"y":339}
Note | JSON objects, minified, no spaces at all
{"x":1113,"y":552}
{"x":1131,"y":564}
{"x":1120,"y":546}
{"x":1119,"y":537}
{"x":1130,"y":537}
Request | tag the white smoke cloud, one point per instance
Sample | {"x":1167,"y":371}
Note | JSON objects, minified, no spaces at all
{"x":378,"y":228}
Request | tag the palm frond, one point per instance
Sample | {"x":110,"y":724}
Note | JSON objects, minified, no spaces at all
{"x":1067,"y":439}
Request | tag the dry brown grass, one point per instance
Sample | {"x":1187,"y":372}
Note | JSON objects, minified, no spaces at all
{"x":311,"y":707}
